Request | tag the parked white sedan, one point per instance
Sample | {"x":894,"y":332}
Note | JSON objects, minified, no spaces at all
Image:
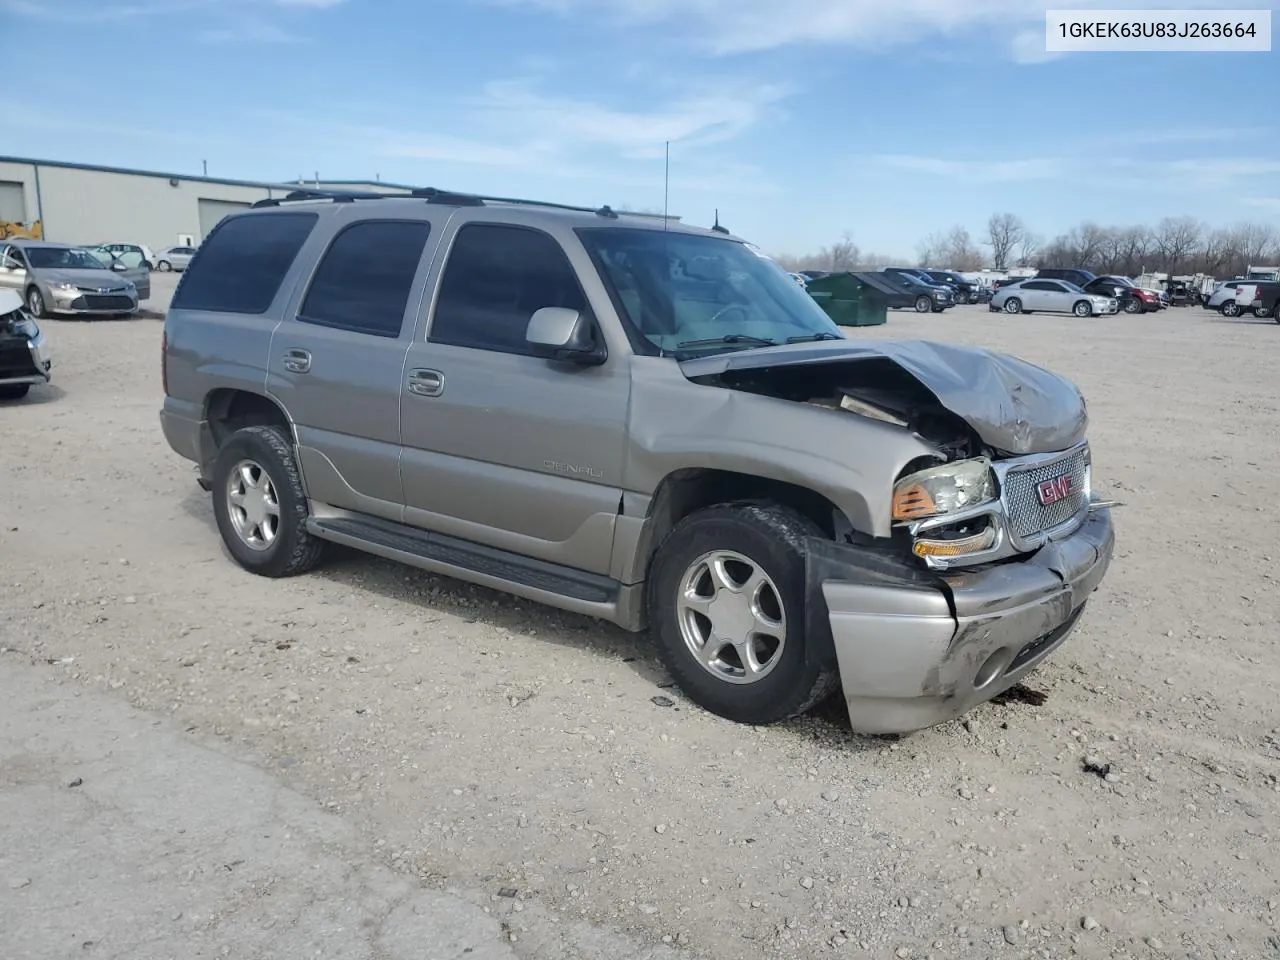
{"x":1052,"y":296}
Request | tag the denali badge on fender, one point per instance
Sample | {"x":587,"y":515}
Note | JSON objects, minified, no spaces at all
{"x":1051,"y":491}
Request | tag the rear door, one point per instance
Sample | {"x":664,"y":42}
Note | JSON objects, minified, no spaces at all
{"x":338,"y":355}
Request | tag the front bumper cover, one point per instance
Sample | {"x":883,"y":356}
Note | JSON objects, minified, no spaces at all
{"x":916,"y":649}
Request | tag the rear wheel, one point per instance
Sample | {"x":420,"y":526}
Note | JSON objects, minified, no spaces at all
{"x":1264,"y":312}
{"x":1231,"y":309}
{"x":164,"y":266}
{"x":14,"y":391}
{"x":1013,"y":305}
{"x":1082,"y":308}
{"x":260,"y":506}
{"x":727,"y":610}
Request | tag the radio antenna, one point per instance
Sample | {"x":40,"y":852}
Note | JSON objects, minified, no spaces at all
{"x":666,"y":183}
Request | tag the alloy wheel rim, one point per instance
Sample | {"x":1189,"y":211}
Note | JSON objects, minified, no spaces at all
{"x":253,"y":505}
{"x":731,"y":617}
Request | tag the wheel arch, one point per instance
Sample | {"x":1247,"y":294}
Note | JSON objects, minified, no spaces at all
{"x":687,"y":490}
{"x":228,"y":409}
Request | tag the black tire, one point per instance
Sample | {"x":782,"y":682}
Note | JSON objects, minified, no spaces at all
{"x":1262,"y":313}
{"x":1087,"y":310}
{"x":164,"y":266}
{"x":1013,"y":305}
{"x":924,"y":304}
{"x":1133,"y":306}
{"x":772,"y":537}
{"x":293,"y":550}
{"x":1231,"y":309}
{"x":14,"y":391}
{"x":35,"y":303}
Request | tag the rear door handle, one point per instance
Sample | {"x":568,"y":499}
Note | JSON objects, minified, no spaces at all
{"x":297,"y":361}
{"x":426,"y":383}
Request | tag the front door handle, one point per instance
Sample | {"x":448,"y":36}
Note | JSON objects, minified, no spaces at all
{"x":297,"y":361}
{"x":426,"y":383}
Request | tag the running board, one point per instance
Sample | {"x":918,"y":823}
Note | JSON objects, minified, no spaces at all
{"x":440,"y":553}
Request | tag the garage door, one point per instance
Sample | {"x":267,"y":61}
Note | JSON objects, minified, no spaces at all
{"x":12,"y":205}
{"x":211,"y":211}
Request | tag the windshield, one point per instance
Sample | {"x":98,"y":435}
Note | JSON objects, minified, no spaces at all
{"x":1074,"y":288}
{"x":61,"y":258}
{"x":685,"y":293}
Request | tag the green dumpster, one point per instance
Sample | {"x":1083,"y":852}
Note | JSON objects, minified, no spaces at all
{"x":849,"y":300}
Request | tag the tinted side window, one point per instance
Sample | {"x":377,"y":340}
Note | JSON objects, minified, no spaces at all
{"x":364,"y":278}
{"x":496,"y":277}
{"x":243,"y":262}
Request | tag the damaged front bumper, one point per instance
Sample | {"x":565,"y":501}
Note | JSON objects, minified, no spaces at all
{"x":24,"y":359}
{"x":916,"y":650}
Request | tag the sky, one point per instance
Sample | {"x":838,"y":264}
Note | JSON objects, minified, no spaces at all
{"x":798,"y":121}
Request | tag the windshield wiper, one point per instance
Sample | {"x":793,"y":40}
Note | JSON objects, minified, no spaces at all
{"x":729,"y":338}
{"x":806,"y":338}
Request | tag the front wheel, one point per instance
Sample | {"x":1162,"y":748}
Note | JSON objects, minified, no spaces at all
{"x":1013,"y":305}
{"x":1082,"y":309}
{"x":35,"y":304}
{"x":923,"y":304}
{"x":1133,"y":306}
{"x":727,"y":610}
{"x":260,"y":506}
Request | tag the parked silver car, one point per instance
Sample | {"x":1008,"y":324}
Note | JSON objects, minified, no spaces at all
{"x":1039,"y":295}
{"x":119,"y":249}
{"x":59,"y":278}
{"x":174,"y":258}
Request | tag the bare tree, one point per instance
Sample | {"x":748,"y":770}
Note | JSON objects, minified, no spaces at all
{"x":1028,"y":248}
{"x":960,"y":251}
{"x":930,"y":250}
{"x":841,"y":255}
{"x":1175,"y":238}
{"x":1004,"y":232}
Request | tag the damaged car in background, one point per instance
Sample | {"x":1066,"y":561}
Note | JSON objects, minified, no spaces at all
{"x":24,"y":355}
{"x":645,"y":422}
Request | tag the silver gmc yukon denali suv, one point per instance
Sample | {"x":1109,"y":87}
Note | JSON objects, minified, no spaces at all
{"x":641,"y":421}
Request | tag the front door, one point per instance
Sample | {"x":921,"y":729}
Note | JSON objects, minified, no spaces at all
{"x":337,"y":361}
{"x":502,"y":447}
{"x":135,"y":270}
{"x":13,"y":268}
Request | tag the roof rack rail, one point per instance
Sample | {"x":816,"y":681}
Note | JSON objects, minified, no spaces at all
{"x":434,"y":195}
{"x":337,"y":196}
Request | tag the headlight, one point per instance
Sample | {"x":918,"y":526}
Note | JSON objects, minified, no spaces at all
{"x":66,"y":287}
{"x":942,"y":490}
{"x":129,"y":285}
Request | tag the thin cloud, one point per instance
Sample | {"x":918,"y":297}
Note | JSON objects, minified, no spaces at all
{"x":251,"y":33}
{"x":741,"y":26}
{"x":974,"y":171}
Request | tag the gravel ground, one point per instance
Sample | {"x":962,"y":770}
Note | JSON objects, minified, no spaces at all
{"x":483,"y":742}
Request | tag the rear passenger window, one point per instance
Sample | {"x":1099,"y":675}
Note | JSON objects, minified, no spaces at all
{"x":364,"y":278}
{"x":242,"y":263}
{"x":496,"y":277}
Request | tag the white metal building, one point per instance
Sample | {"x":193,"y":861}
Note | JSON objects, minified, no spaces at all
{"x":84,"y":203}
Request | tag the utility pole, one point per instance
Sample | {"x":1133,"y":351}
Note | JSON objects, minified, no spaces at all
{"x":205,"y":165}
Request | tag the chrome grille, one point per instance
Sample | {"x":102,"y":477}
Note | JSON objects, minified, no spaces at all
{"x":1027,"y":515}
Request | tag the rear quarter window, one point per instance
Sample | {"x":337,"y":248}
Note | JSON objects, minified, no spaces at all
{"x":243,"y":261}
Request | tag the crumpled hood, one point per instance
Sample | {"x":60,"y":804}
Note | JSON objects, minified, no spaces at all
{"x":1014,"y":406}
{"x":95,"y":279}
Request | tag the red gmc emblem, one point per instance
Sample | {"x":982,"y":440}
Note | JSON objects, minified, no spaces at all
{"x":1059,"y":488}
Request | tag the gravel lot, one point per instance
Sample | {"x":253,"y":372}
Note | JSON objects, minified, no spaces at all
{"x":484,"y":742}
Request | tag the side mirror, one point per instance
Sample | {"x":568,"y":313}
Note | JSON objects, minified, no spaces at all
{"x":118,"y":267}
{"x":559,"y":333}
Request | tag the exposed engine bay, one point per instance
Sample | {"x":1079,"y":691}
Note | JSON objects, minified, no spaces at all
{"x":876,"y":388}
{"x":967,"y":400}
